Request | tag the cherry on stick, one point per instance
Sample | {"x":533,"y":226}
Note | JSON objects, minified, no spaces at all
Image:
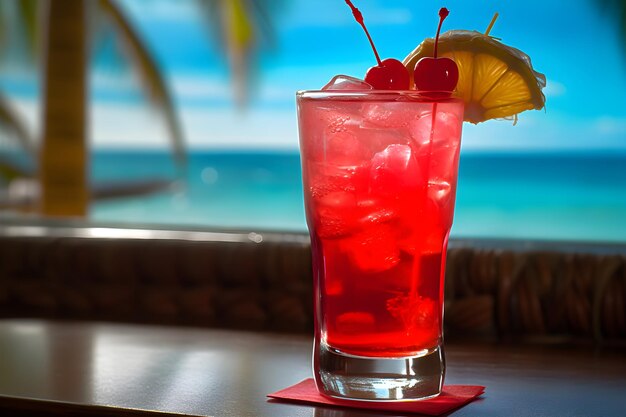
{"x":389,"y":74}
{"x":434,"y":73}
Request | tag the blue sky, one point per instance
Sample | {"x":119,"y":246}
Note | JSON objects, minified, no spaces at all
{"x":574,"y":43}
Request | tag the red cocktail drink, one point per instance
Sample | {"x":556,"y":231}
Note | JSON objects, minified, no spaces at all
{"x":379,"y":171}
{"x":379,"y":165}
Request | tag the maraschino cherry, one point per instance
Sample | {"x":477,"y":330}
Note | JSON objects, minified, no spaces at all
{"x":389,"y":74}
{"x":436,"y":74}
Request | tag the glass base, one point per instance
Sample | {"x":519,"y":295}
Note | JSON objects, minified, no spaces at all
{"x":380,"y":379}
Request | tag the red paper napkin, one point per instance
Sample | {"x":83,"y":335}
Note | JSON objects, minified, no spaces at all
{"x":452,"y":396}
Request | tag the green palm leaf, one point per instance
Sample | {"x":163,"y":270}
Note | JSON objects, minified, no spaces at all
{"x":28,"y":13}
{"x":616,"y":9}
{"x":240,"y":26}
{"x":150,"y":75}
{"x":3,"y":26}
{"x":10,"y":171}
{"x":13,"y":124}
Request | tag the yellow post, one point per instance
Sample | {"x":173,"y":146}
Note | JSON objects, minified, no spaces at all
{"x":64,"y":148}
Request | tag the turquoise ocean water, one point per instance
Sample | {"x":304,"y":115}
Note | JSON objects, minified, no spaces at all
{"x":571,"y":196}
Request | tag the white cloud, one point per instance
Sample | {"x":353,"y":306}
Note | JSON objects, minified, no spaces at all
{"x":117,"y":81}
{"x":131,"y":126}
{"x":554,"y":89}
{"x":611,"y":126}
{"x":275,"y":93}
{"x":28,"y":111}
{"x":195,"y":87}
{"x":537,"y":130}
{"x":188,"y":88}
{"x":230,"y":129}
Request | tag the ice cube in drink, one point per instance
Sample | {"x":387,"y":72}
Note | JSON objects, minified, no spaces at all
{"x":379,"y":213}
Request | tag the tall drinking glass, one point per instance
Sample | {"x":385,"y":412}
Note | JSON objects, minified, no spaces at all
{"x":379,"y":171}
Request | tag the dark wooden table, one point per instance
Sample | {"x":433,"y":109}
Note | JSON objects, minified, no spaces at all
{"x":56,"y":368}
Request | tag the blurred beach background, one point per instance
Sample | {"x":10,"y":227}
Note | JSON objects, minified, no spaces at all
{"x":556,"y":174}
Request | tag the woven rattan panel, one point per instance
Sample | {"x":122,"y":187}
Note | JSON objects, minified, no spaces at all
{"x":539,"y":294}
{"x":490,"y":293}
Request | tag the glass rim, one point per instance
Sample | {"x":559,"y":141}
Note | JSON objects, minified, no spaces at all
{"x":377,"y":95}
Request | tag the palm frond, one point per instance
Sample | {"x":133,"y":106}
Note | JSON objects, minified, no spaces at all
{"x":240,"y":37}
{"x":3,"y":24}
{"x":240,"y":27}
{"x":10,"y":171}
{"x":616,"y":9}
{"x":263,"y":14}
{"x":150,"y":75}
{"x":13,"y":124}
{"x":28,"y":11}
